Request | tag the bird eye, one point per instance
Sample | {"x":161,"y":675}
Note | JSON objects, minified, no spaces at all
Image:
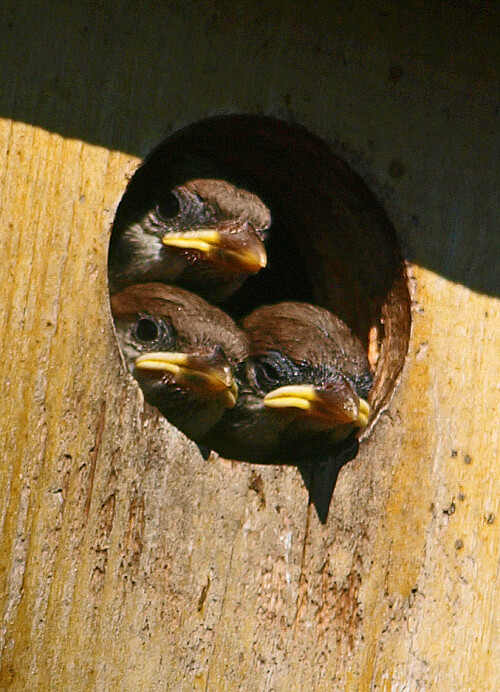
{"x":273,"y":370}
{"x":146,"y":330}
{"x":168,"y":207}
{"x":268,"y":374}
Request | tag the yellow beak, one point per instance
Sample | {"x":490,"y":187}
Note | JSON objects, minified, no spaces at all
{"x":334,"y":406}
{"x":238,"y":248}
{"x":208,"y":375}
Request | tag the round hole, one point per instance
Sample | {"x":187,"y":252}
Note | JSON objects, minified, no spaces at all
{"x":330,"y":242}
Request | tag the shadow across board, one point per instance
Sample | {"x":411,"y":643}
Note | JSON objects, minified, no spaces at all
{"x":119,"y":74}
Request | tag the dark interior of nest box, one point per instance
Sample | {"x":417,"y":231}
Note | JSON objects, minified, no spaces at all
{"x":330,"y":242}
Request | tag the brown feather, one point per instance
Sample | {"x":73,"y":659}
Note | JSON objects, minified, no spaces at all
{"x":304,"y":333}
{"x":232,"y":202}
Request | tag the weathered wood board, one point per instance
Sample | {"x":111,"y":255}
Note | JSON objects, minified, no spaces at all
{"x":127,"y":561}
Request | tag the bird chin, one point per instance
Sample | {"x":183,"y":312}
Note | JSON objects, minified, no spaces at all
{"x":197,"y":420}
{"x":203,"y":278}
{"x":193,"y":415}
{"x":317,"y":424}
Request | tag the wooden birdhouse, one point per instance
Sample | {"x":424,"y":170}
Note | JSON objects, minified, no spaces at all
{"x":129,"y":560}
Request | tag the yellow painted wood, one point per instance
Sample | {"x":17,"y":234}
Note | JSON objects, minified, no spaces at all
{"x":127,"y":562}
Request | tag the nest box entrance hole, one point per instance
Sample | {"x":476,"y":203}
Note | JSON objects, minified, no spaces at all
{"x":330,"y":242}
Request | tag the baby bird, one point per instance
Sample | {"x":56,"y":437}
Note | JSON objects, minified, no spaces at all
{"x":302,"y":389}
{"x":205,"y":235}
{"x":182,"y":351}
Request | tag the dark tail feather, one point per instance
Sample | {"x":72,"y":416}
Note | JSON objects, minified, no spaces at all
{"x":320,"y":477}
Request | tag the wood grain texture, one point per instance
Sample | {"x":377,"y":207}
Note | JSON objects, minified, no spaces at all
{"x":126,"y":560}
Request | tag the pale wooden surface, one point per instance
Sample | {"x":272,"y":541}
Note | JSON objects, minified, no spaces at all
{"x":128,"y":562}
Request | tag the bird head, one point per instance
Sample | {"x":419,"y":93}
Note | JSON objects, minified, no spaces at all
{"x":302,"y":387}
{"x":182,"y":351}
{"x":205,"y":235}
